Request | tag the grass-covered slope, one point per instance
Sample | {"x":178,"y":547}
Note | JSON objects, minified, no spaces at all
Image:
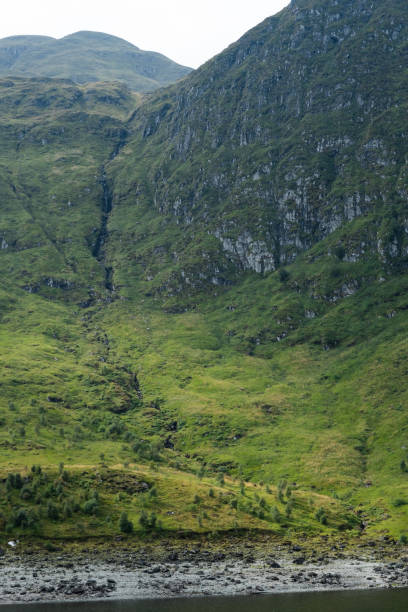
{"x":126,"y":389}
{"x":148,"y":349}
{"x":55,"y":139}
{"x":85,"y":57}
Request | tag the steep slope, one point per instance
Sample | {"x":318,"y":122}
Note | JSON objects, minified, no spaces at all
{"x":85,"y":57}
{"x":204,"y":294}
{"x":55,"y":140}
{"x":292,"y":132}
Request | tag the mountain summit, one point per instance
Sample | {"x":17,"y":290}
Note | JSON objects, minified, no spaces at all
{"x":86,"y":57}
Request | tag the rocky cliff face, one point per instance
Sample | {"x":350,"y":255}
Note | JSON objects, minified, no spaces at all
{"x":291,"y":133}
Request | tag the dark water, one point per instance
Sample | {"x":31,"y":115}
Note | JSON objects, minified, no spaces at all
{"x":357,"y":601}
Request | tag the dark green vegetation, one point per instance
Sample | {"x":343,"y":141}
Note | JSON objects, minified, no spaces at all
{"x":85,"y":57}
{"x":79,"y":503}
{"x":207,"y":290}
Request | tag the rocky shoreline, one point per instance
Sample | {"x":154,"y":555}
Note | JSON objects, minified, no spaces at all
{"x":146,"y":572}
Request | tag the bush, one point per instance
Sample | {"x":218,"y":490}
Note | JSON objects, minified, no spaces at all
{"x":23,"y":518}
{"x":146,"y":450}
{"x":146,"y":522}
{"x":143,"y":520}
{"x":92,"y":494}
{"x":91,"y":506}
{"x":321,"y":516}
{"x":125,"y":525}
{"x":52,"y":511}
{"x":283,"y":275}
{"x":340,"y":252}
{"x":399,"y":502}
{"x":58,"y":489}
{"x":49,"y":491}
{"x":335,"y":272}
{"x":276,"y":515}
{"x":20,"y":519}
{"x":26,"y":492}
{"x":289,"y":508}
{"x":67,"y":510}
{"x":403,"y":540}
{"x":221,"y":479}
{"x":10,"y":482}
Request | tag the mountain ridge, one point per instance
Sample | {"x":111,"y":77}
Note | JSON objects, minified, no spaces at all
{"x":87,"y":56}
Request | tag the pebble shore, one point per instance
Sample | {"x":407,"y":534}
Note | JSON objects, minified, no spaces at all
{"x":143,"y":573}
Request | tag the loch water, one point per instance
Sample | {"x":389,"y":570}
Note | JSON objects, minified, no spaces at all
{"x":349,"y":601}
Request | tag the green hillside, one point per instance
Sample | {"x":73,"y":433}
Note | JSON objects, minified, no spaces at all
{"x":203,"y":296}
{"x":85,"y":57}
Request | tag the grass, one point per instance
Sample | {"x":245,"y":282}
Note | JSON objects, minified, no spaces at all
{"x":139,"y":344}
{"x":332,"y":421}
{"x":180,"y":501}
{"x":87,"y":57}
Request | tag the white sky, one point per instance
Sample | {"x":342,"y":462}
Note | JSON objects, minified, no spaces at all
{"x":188,"y":31}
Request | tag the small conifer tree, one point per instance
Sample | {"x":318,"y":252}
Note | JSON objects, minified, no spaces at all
{"x":125,"y":525}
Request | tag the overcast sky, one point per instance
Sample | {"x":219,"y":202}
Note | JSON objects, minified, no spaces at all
{"x":187,"y":31}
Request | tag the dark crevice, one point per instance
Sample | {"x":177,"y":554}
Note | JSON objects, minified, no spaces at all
{"x":137,"y":387}
{"x":106,"y":208}
{"x":98,"y":250}
{"x":109,"y":278}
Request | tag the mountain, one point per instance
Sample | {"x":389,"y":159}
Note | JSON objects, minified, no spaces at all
{"x":85,"y":57}
{"x":280,"y":141}
{"x":204,"y":291}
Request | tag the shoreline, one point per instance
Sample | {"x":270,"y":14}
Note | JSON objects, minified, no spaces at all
{"x":192,"y":570}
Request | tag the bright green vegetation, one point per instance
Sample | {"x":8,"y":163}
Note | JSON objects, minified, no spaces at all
{"x":86,"y":501}
{"x":204,"y":321}
{"x":86,"y":57}
{"x":331,"y":421}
